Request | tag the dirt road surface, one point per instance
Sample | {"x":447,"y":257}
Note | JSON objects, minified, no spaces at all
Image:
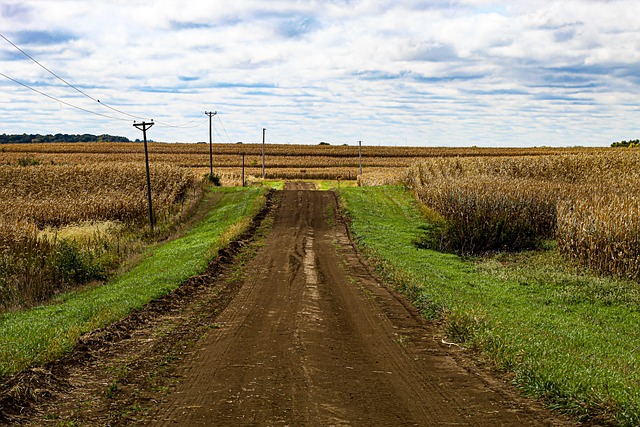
{"x":313,"y":339}
{"x":300,"y":333}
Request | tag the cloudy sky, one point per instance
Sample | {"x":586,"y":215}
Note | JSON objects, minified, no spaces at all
{"x":412,"y":72}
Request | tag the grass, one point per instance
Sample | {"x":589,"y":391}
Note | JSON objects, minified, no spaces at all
{"x":332,"y":185}
{"x":38,"y":335}
{"x":323,"y":185}
{"x":273,"y":184}
{"x":566,"y":337}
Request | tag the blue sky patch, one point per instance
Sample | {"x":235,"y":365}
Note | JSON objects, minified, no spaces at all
{"x":43,"y":38}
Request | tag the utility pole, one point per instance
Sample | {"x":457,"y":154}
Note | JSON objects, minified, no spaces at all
{"x":243,"y":168}
{"x":143,"y":127}
{"x":210,"y":114}
{"x":360,"y":155}
{"x":263,"y":137}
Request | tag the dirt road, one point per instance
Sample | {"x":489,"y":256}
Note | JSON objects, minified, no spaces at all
{"x":294,"y":331}
{"x":313,"y":339}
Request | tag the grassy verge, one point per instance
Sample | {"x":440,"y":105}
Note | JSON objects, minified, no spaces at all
{"x":273,"y":184}
{"x":44,"y":333}
{"x":322,"y":185}
{"x":332,"y":185}
{"x":566,"y":337}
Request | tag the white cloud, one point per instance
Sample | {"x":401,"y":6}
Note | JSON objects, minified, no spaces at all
{"x":419,"y":72}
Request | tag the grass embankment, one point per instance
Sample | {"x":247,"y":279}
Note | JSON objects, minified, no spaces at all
{"x":566,"y":337}
{"x":44,"y":333}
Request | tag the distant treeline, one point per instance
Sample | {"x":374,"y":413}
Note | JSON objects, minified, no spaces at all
{"x":631,"y":143}
{"x":59,"y":137}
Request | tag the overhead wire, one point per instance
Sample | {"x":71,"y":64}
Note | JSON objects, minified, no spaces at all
{"x":67,"y":83}
{"x":61,"y":101}
{"x":216,"y":131}
{"x":186,"y":125}
{"x":224,"y":129}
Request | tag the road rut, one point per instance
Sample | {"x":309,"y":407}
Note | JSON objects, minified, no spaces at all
{"x":313,"y":338}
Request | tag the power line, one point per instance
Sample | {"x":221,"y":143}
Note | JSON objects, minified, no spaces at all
{"x":225,"y":130}
{"x":67,"y":83}
{"x":218,"y":133}
{"x":162,"y":124}
{"x":61,"y":101}
{"x":184,"y":125}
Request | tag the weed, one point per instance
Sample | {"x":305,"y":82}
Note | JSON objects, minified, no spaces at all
{"x":112,"y":389}
{"x":75,"y":266}
{"x":68,"y":423}
{"x":401,"y":339}
{"x":28,"y":161}
{"x":214,"y":179}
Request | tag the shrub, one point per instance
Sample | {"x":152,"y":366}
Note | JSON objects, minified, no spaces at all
{"x":75,"y":266}
{"x":28,"y":161}
{"x":214,"y":179}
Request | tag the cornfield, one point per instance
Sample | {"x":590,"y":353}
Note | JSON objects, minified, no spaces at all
{"x":57,"y":195}
{"x":283,"y":161}
{"x":487,"y":198}
{"x":588,"y":201}
{"x":41,"y":202}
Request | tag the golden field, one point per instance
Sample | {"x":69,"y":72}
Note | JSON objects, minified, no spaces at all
{"x":282,"y":161}
{"x":63,"y":224}
{"x":483,"y":198}
{"x":589,"y":202}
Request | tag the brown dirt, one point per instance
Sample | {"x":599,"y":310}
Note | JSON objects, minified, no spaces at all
{"x":297,"y":331}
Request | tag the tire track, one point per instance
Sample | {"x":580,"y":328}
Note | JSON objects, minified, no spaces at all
{"x":312,"y":338}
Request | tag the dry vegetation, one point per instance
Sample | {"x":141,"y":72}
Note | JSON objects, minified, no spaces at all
{"x":588,"y":201}
{"x":66,"y":224}
{"x":283,"y":161}
{"x":485,"y":198}
{"x":57,"y":195}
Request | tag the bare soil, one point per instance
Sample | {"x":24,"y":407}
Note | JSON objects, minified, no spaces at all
{"x":287,"y":328}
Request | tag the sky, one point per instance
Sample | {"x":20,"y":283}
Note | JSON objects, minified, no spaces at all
{"x":389,"y":72}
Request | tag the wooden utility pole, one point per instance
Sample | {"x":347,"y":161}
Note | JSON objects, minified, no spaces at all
{"x":243,"y":168}
{"x":360,"y":155}
{"x":143,"y":127}
{"x":210,"y":114}
{"x":263,"y":138}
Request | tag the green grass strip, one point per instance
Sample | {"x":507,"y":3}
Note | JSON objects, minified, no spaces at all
{"x":38,"y":335}
{"x":569,"y":338}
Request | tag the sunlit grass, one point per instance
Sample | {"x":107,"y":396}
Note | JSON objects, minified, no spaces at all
{"x":41,"y":334}
{"x":83,"y":232}
{"x":564,"y":336}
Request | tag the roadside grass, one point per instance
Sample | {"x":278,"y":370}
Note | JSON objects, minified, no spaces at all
{"x":36,"y":336}
{"x":334,"y":184}
{"x":323,"y":185}
{"x":561,"y":335}
{"x":273,"y":184}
